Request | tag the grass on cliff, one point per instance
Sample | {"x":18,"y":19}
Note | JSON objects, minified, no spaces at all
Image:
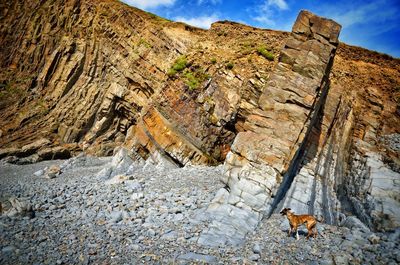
{"x":157,"y":18}
{"x":179,"y":65}
{"x":229,"y":66}
{"x":193,"y":76}
{"x":193,"y":79}
{"x":262,"y":50}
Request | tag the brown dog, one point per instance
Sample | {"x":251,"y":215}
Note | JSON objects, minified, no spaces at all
{"x":296,"y":220}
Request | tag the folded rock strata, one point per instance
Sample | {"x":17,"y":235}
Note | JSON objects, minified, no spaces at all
{"x":291,"y":153}
{"x":94,"y":75}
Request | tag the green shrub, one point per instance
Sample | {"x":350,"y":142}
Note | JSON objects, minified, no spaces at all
{"x":229,"y":66}
{"x":179,"y":65}
{"x":265,"y":53}
{"x":191,"y":81}
{"x":213,"y":60}
{"x":194,"y":79}
{"x":171,"y":72}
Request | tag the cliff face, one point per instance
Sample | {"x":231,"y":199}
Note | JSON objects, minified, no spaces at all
{"x":304,"y":128}
{"x":95,"y":72}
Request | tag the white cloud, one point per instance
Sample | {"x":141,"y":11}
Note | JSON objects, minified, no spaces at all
{"x":266,"y":12}
{"x":265,"y":17}
{"x":280,"y":4}
{"x":200,"y":22}
{"x":144,"y":4}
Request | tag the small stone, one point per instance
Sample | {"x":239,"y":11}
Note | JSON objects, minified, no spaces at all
{"x":151,"y":233}
{"x":116,"y":216}
{"x":8,"y":249}
{"x":39,"y":173}
{"x":137,"y":196}
{"x":138,"y":221}
{"x":133,"y":185}
{"x":257,"y":248}
{"x":52,"y":172}
{"x":254,"y":257}
{"x":374,"y":239}
{"x":178,"y":217}
{"x":125,"y":215}
{"x":136,"y":247}
{"x":171,"y":235}
{"x":202,"y":258}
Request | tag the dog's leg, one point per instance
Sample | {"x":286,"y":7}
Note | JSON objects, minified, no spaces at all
{"x":290,"y":230}
{"x":310,"y":233}
{"x":296,"y":231}
{"x":310,"y":228}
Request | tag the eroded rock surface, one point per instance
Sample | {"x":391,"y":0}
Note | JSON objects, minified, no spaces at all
{"x":96,"y":75}
{"x":295,"y":149}
{"x":264,"y":159}
{"x":153,"y":215}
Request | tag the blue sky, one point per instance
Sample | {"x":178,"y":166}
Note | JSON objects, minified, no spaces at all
{"x":374,"y":25}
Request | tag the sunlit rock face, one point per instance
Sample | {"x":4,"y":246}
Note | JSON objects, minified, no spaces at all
{"x":298,"y":148}
{"x":303,"y":129}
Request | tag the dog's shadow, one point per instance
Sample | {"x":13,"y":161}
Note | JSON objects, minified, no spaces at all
{"x":293,"y":234}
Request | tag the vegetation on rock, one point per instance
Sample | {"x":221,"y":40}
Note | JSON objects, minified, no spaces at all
{"x":179,"y":65}
{"x":263,"y":51}
{"x":229,"y":66}
{"x":195,"y":78}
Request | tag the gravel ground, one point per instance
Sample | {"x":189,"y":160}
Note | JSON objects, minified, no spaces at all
{"x":152,"y":215}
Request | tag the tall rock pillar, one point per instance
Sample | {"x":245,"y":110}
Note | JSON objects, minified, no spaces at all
{"x":265,"y":157}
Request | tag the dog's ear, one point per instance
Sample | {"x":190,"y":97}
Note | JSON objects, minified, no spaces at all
{"x":288,"y":209}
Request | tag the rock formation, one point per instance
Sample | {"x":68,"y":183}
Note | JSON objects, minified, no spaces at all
{"x":265,"y":158}
{"x":95,"y":75}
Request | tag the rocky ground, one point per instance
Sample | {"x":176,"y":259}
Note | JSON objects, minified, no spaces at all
{"x":88,"y":210}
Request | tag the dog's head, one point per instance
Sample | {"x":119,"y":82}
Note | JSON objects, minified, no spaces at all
{"x":285,"y":211}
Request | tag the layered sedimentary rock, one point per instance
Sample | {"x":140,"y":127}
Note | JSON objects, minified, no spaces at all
{"x":266,"y":156}
{"x":295,"y":149}
{"x":95,"y":75}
